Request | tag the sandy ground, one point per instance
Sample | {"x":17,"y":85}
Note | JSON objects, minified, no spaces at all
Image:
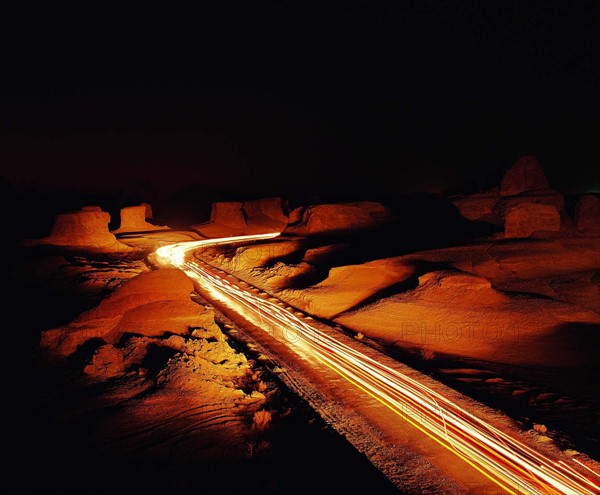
{"x":139,"y":407}
{"x":514,"y":323}
{"x":139,"y":402}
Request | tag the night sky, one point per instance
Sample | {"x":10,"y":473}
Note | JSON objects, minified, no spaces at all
{"x":277,"y":98}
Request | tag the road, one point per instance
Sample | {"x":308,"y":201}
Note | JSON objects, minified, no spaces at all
{"x":515,"y":467}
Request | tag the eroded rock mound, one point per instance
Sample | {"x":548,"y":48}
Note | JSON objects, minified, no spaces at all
{"x":228,"y":213}
{"x":152,"y":304}
{"x":133,"y":219}
{"x":107,"y":362}
{"x":230,"y":218}
{"x":349,"y":286}
{"x":226,"y":219}
{"x":461,"y":289}
{"x":526,"y":175}
{"x":265,"y":214}
{"x":525,"y":219}
{"x":87,"y":228}
{"x":296,"y":215}
{"x":525,"y":182}
{"x":331,"y":218}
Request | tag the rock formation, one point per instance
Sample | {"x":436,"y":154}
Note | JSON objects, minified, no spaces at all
{"x":266,"y":214}
{"x":133,"y":219}
{"x":228,"y":213}
{"x":230,"y":218}
{"x":331,"y":218}
{"x":296,"y":215}
{"x":587,"y":213}
{"x":347,"y":286}
{"x":525,"y":182}
{"x":87,"y":228}
{"x":149,"y":212}
{"x":152,"y":304}
{"x":524,"y":219}
{"x":526,"y":175}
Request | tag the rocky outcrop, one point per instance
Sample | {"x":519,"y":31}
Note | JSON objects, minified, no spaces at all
{"x":587,"y":213}
{"x":152,"y":304}
{"x":107,"y":362}
{"x":340,"y":217}
{"x":526,"y":175}
{"x":228,"y":213}
{"x":549,"y":198}
{"x":525,"y":182}
{"x":296,"y":215}
{"x":87,"y":229}
{"x":524,"y":219}
{"x":230,"y":218}
{"x":133,"y":219}
{"x":149,"y":212}
{"x":266,"y":214}
{"x":347,"y":286}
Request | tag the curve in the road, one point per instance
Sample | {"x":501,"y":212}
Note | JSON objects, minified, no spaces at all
{"x":515,"y":467}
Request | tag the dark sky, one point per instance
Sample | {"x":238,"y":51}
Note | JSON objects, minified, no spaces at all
{"x":275,"y":97}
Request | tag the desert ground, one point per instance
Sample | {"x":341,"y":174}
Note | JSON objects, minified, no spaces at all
{"x":145,"y":385}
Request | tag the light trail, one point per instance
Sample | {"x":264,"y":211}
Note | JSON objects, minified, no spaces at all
{"x":515,"y":467}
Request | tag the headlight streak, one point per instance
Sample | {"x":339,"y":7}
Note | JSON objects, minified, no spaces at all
{"x":514,"y":466}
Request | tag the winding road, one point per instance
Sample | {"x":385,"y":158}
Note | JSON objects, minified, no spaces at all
{"x":515,"y":467}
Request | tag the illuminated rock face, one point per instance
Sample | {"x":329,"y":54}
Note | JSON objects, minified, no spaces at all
{"x":149,"y":213}
{"x":133,"y":219}
{"x":525,"y":182}
{"x":525,"y":175}
{"x":296,"y":215}
{"x":107,"y":362}
{"x":524,"y":219}
{"x":259,"y":216}
{"x":587,"y":213}
{"x":86,"y":228}
{"x":228,"y":213}
{"x":153,"y":304}
{"x":267,"y":213}
{"x":330,"y":218}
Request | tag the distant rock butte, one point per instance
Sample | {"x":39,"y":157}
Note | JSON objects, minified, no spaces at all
{"x":587,"y":213}
{"x":267,"y":213}
{"x":228,"y":213}
{"x":339,"y":217}
{"x":251,"y":217}
{"x":87,"y":228}
{"x":133,"y":219}
{"x":524,"y":183}
{"x":524,"y":219}
{"x":526,"y":175}
{"x":550,"y":198}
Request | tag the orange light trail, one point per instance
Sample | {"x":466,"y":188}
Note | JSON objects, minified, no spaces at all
{"x":515,"y":467}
